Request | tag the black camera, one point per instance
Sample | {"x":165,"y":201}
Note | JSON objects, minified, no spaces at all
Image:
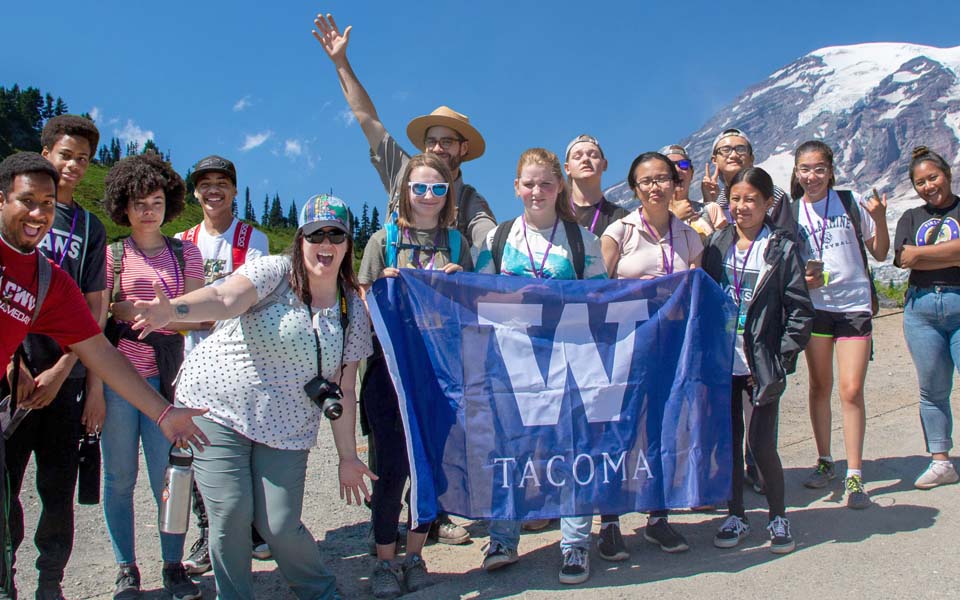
{"x":326,"y":395}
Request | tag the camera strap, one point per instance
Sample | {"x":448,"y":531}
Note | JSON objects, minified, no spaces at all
{"x":344,"y":321}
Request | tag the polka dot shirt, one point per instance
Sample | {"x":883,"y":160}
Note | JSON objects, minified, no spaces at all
{"x":251,"y":371}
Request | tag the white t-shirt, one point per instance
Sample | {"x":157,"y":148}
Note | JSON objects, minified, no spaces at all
{"x":251,"y":371}
{"x":847,"y":289}
{"x":516,"y":259}
{"x":217,"y":252}
{"x":741,"y":268}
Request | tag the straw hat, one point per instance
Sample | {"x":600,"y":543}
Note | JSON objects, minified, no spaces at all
{"x":447,"y":117}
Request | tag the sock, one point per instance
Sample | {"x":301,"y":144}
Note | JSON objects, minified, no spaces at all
{"x":654,"y":520}
{"x":942,"y":462}
{"x":827,"y":458}
{"x":856,"y":472}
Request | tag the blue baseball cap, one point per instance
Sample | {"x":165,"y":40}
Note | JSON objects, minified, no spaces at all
{"x":324,"y":210}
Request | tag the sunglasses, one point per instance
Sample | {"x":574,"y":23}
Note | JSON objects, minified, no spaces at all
{"x":317,"y":237}
{"x":420,"y":189}
{"x":683,"y":164}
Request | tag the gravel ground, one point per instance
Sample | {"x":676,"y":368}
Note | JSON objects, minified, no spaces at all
{"x":891,"y":558}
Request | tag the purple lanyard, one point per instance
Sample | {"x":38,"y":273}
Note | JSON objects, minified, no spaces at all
{"x":738,"y":280}
{"x":823,"y":224}
{"x":596,"y":215}
{"x":176,"y":271}
{"x":673,"y":256}
{"x":66,"y":247}
{"x":533,"y":264}
{"x":416,"y":251}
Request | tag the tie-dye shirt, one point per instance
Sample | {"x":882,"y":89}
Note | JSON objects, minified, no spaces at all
{"x":559,"y":263}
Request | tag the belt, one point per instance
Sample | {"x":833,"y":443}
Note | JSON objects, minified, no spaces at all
{"x":936,"y":288}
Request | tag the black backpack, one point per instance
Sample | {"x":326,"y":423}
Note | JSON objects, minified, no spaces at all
{"x":574,"y":237}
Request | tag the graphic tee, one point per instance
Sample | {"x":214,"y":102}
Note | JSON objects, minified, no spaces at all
{"x":831,"y":238}
{"x":217,"y":252}
{"x":916,"y":228}
{"x":64,"y":315}
{"x":741,"y":271}
{"x":558,"y":264}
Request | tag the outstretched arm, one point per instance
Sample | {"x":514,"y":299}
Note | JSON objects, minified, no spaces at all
{"x":335,"y":45}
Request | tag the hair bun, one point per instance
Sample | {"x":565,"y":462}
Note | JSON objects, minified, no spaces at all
{"x":919,"y":151}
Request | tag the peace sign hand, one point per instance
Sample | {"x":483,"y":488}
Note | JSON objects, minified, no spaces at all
{"x":710,"y":186}
{"x":328,"y":34}
{"x":154,"y":314}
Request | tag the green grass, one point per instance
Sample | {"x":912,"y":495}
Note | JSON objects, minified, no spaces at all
{"x":893,"y":292}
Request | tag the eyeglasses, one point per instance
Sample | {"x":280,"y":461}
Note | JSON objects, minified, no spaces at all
{"x":445,"y":143}
{"x":683,"y":164}
{"x":420,"y":189}
{"x":741,"y":149}
{"x":818,"y":171}
{"x":317,"y":237}
{"x":660,"y":181}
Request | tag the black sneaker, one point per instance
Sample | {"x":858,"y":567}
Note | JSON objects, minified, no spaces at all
{"x":576,"y":566}
{"x":610,"y":544}
{"x":781,"y":542}
{"x":128,"y":583}
{"x":665,"y":536}
{"x":49,"y":591}
{"x":178,"y":585}
{"x":821,"y":476}
{"x":733,"y":530}
{"x":198,"y":562}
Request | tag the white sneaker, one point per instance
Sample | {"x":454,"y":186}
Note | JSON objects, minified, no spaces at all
{"x":938,"y":473}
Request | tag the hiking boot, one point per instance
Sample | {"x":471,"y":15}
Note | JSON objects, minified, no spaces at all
{"x":610,"y":544}
{"x":385,"y":581}
{"x":576,"y":566}
{"x":198,"y":562}
{"x":535,"y":524}
{"x":498,"y":556}
{"x":781,"y":542}
{"x":666,"y":536}
{"x":177,"y":584}
{"x":262,"y":552}
{"x":414,"y":573}
{"x":128,"y":583}
{"x":733,"y":530}
{"x":938,"y":473}
{"x":857,"y":497}
{"x":445,"y":531}
{"x":822,"y":474}
{"x":49,"y":591}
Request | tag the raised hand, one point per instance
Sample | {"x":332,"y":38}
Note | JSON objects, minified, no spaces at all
{"x":328,"y":34}
{"x":877,"y":207}
{"x":153,"y":314}
{"x":709,"y":185}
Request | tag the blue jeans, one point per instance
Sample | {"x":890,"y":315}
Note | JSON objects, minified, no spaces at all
{"x":931,"y":326}
{"x":124,"y":430}
{"x":575,"y":532}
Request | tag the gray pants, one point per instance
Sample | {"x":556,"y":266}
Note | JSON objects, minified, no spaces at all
{"x":243,"y":481}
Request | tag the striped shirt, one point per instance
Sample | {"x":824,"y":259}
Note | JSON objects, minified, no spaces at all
{"x":136,"y":283}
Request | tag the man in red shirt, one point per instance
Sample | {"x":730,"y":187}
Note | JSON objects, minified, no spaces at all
{"x":28,"y":196}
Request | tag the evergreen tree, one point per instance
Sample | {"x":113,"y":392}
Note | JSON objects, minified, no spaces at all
{"x":150,"y":145}
{"x":133,"y":148}
{"x":47,"y":111}
{"x":60,"y":108}
{"x":248,"y":214}
{"x":364,"y":233}
{"x":292,"y":214}
{"x":276,"y":212}
{"x":374,"y":221}
{"x":114,"y":151}
{"x":265,"y":215}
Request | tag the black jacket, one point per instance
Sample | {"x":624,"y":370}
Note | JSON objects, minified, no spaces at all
{"x":780,"y":317}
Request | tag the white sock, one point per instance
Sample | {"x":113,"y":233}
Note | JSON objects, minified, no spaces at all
{"x":856,"y":472}
{"x":942,"y":462}
{"x":827,"y":458}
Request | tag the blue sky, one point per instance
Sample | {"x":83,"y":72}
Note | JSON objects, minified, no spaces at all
{"x":247,"y":80}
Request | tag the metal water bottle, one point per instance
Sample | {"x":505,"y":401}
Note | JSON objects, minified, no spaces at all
{"x":177,"y":492}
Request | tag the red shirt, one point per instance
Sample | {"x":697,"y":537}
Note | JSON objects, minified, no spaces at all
{"x":64,"y":315}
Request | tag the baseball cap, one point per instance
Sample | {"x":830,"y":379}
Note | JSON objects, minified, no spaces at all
{"x":583,"y":137}
{"x":213,"y":164}
{"x":675,"y":149}
{"x":324,"y":210}
{"x":730,"y":133}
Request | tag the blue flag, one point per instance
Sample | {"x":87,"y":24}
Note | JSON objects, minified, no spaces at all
{"x":526,"y":399}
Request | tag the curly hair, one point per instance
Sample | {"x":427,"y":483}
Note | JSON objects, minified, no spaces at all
{"x":25,"y":163}
{"x":137,"y":177}
{"x":73,"y":125}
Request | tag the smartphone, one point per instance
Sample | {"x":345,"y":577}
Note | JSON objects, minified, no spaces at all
{"x":814,"y":266}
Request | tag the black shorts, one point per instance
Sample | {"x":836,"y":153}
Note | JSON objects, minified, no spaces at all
{"x":836,"y":325}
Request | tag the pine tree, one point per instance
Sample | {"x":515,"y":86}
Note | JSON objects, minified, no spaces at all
{"x":60,"y":108}
{"x":265,"y":215}
{"x":364,"y":233}
{"x":150,"y":145}
{"x":276,"y":212}
{"x":248,"y":215}
{"x":47,"y":111}
{"x":292,"y":214}
{"x":374,"y":221}
{"x":114,"y":151}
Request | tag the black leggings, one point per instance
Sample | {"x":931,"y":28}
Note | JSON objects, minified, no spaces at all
{"x":383,"y":415}
{"x":762,"y":440}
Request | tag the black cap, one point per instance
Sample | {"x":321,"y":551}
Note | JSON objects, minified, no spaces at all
{"x":213,"y":164}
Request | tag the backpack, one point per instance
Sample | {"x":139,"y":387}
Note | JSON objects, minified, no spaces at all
{"x":574,"y":238}
{"x":849,"y":206}
{"x":116,"y":250}
{"x":44,"y":276}
{"x":241,"y":241}
{"x":393,"y":243}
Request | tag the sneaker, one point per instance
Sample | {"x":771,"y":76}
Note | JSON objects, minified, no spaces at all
{"x":178,"y":585}
{"x":262,"y":552}
{"x":857,"y":497}
{"x":733,"y":530}
{"x":49,"y":591}
{"x":822,"y":474}
{"x":128,"y":583}
{"x":198,"y":562}
{"x":781,"y":542}
{"x":414,"y":573}
{"x":498,"y":556}
{"x":938,"y":473}
{"x":385,"y":581}
{"x":445,"y":531}
{"x":535,"y":524}
{"x":610,"y":544}
{"x":666,"y":536}
{"x":576,"y":566}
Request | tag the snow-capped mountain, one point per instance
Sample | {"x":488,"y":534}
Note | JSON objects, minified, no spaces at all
{"x":872,"y":103}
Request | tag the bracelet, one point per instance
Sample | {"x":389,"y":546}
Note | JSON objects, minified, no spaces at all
{"x":164,"y":413}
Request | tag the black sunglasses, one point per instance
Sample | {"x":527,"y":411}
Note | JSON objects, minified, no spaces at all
{"x":317,"y":237}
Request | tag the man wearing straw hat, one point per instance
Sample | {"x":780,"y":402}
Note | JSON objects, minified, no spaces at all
{"x":443,"y":132}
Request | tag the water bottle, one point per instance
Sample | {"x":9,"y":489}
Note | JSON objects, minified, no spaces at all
{"x":177,"y":492}
{"x":88,"y":478}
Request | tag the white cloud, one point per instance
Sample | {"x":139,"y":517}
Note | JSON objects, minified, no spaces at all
{"x":292,"y":148}
{"x":95,"y":114}
{"x":346,"y":117}
{"x":252,"y":141}
{"x":131,"y":132}
{"x":242,"y":104}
